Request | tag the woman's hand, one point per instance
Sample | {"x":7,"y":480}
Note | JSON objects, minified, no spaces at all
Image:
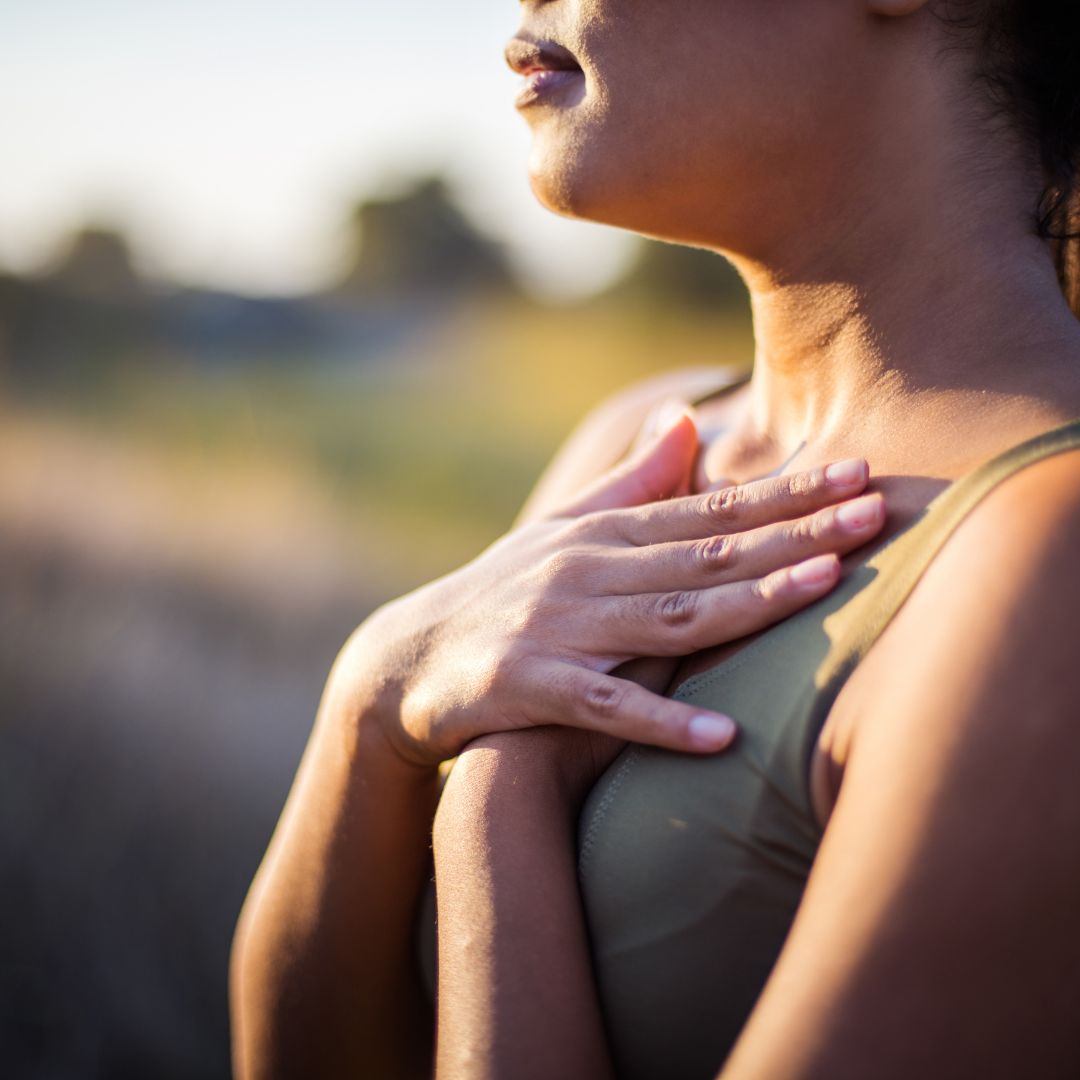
{"x":528,"y":633}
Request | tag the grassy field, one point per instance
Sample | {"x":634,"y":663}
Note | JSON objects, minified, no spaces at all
{"x":182,"y":552}
{"x":445,"y":437}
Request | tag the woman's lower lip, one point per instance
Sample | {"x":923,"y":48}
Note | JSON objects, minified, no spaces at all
{"x":546,"y":83}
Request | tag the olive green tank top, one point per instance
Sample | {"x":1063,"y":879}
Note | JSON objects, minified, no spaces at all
{"x":691,"y":868}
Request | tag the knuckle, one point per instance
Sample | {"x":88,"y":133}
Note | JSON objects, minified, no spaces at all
{"x":604,"y":699}
{"x":764,"y":590}
{"x":565,"y":564}
{"x":721,"y":507}
{"x":599,"y":527}
{"x":497,"y":672}
{"x":805,"y":530}
{"x":713,"y":553}
{"x":586,"y":526}
{"x":556,"y":564}
{"x":529,"y":616}
{"x":677,"y":609}
{"x":797,"y":485}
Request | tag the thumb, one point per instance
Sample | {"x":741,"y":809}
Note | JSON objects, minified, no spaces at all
{"x":658,"y":470}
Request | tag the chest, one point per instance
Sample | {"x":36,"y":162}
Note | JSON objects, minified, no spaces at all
{"x":907,"y":497}
{"x":692,"y":868}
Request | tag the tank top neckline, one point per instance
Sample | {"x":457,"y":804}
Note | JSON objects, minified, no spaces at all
{"x":927,"y":531}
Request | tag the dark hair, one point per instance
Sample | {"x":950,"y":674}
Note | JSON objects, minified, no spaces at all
{"x":1028,"y":54}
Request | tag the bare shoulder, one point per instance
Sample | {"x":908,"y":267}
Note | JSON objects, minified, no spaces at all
{"x":608,"y":430}
{"x":997,"y":615}
{"x":944,"y":890}
{"x":995,"y":618}
{"x":1009,"y":577}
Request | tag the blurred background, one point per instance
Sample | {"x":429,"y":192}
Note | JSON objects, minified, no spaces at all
{"x":282,"y":335}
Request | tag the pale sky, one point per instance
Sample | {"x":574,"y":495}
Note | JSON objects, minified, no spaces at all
{"x":229,"y":137}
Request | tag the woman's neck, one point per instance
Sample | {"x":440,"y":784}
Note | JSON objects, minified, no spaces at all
{"x":899,"y":279}
{"x":888,"y":337}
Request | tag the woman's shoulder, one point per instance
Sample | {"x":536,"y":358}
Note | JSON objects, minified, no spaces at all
{"x":947,"y":876}
{"x":1014,"y":557}
{"x":609,"y":429}
{"x":998,"y":600}
{"x":1015,"y":551}
{"x":992,"y":625}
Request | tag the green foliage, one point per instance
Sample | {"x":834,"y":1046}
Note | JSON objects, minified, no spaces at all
{"x":419,"y":242}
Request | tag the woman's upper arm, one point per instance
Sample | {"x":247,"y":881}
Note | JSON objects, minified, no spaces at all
{"x":940,"y":931}
{"x":606,"y":433}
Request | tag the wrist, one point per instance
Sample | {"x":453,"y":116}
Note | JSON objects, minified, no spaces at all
{"x":502,"y":781}
{"x":563,"y":761}
{"x":367,"y":686}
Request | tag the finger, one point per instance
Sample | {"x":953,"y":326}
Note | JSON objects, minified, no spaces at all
{"x":659,"y":470}
{"x":577,"y":697}
{"x":661,"y":417}
{"x":717,"y":560}
{"x":738,"y":508}
{"x":687,"y":620}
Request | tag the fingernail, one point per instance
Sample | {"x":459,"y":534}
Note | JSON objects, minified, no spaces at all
{"x":814,"y":571}
{"x":711,"y":732}
{"x":846,"y":473}
{"x":857,"y":515}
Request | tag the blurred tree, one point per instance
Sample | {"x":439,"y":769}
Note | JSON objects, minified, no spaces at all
{"x":65,"y":324}
{"x":420,"y":244}
{"x":673,"y":275}
{"x":11,"y":298}
{"x":97,"y":264}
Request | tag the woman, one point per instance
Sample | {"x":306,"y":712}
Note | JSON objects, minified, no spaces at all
{"x":878,"y":875}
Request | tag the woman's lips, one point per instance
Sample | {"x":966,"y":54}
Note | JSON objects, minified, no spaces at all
{"x":548,"y":69}
{"x":544,"y":83}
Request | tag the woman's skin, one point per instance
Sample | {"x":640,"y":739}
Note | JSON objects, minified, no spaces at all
{"x":324,"y":973}
{"x":905,"y":314}
{"x":843,"y":155}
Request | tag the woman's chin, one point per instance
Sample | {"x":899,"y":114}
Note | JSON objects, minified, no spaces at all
{"x":554,"y":175}
{"x":569,"y":189}
{"x":553,"y":193}
{"x":587,"y":186}
{"x":572,"y":184}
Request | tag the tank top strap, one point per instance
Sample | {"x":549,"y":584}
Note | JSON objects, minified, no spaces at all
{"x":898,"y":567}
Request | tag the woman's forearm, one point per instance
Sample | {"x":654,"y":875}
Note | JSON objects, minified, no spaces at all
{"x":527,"y":634}
{"x":516,"y":991}
{"x":324,"y":980}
